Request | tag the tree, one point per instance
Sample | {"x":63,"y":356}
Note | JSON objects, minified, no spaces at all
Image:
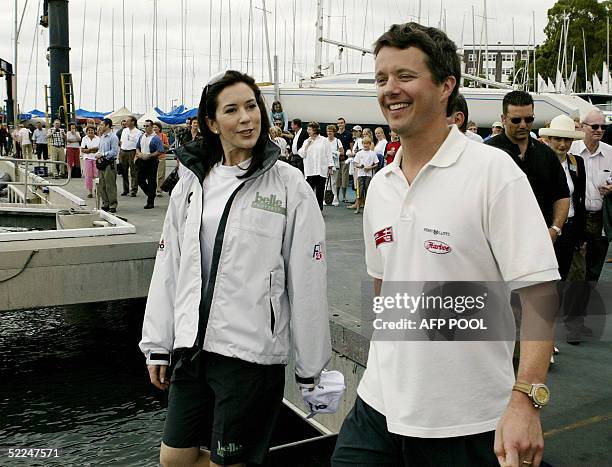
{"x":587,"y":15}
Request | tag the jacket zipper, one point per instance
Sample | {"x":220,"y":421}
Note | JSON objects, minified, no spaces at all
{"x":205,"y":304}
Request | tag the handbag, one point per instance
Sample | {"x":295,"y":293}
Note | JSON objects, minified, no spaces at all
{"x":329,"y":194}
{"x":170,"y":182}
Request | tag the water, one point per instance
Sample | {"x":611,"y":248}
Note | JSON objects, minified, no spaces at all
{"x":73,"y":378}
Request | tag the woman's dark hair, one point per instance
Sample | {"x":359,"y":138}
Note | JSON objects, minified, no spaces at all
{"x":158,"y":125}
{"x":211,"y":142}
{"x":277,"y":103}
{"x":315,"y":127}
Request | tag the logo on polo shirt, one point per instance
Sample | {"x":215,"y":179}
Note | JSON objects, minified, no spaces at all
{"x":270,"y":203}
{"x":439,"y":248}
{"x":162,"y":245}
{"x":317,"y":253}
{"x":384,"y":236}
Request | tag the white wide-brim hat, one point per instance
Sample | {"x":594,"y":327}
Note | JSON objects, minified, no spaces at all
{"x":562,"y":126}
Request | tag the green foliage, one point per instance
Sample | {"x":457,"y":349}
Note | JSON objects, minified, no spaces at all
{"x":587,"y":15}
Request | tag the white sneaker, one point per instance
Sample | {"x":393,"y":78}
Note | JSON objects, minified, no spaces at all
{"x":336,"y":204}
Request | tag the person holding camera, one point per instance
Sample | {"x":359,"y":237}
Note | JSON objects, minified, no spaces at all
{"x":239,"y":282}
{"x":105,"y":163}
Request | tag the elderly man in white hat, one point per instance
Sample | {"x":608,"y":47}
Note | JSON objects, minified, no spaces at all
{"x":561,"y":135}
{"x":496,"y":129}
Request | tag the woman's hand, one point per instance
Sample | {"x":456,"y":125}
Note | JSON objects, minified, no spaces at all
{"x":157,"y":375}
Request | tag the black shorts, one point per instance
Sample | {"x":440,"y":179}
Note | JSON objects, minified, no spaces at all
{"x":365,"y":441}
{"x":223,"y":404}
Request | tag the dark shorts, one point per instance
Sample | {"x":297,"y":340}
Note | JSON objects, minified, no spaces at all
{"x":223,"y":404}
{"x":364,"y":441}
{"x":364,"y":183}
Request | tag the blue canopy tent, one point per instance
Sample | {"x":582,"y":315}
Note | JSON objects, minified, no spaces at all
{"x":176,"y":111}
{"x":83,"y":114}
{"x":180,"y":118}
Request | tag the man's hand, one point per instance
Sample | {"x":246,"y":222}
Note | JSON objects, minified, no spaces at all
{"x":605,"y":190}
{"x":518,"y":436}
{"x":157,"y":375}
{"x":553,"y":235}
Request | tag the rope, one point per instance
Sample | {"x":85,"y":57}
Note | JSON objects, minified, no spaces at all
{"x":32,"y":253}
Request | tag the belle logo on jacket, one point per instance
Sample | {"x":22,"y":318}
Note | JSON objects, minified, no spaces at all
{"x":439,"y":248}
{"x":269,"y":203}
{"x":162,"y":245}
{"x":384,"y":236}
{"x":317,"y":253}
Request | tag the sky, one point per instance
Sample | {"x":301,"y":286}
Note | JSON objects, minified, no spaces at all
{"x":102,"y":83}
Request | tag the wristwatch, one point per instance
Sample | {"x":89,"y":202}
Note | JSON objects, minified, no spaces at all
{"x":556,"y":229}
{"x":538,"y":393}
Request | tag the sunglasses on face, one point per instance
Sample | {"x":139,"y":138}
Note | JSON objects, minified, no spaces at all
{"x":596,"y":126}
{"x":517,"y":120}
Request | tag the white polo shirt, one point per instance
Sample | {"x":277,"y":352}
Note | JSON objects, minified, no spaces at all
{"x":477,"y":201}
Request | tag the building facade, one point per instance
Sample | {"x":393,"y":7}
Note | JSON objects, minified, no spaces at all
{"x":501,"y":60}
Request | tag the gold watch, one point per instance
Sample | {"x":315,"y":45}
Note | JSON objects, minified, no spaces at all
{"x":538,"y":393}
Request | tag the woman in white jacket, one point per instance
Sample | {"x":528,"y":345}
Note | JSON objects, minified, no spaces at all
{"x":318,"y":161}
{"x":239,"y":282}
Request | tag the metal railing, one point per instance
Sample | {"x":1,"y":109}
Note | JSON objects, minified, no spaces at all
{"x":25,"y":182}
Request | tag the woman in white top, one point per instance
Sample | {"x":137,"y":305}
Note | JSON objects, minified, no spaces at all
{"x":276,"y":136}
{"x":381,"y":144}
{"x":336,"y":150}
{"x":318,"y":162}
{"x":73,"y":144}
{"x":89,"y":147}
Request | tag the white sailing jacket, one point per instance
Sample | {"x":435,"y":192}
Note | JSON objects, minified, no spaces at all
{"x":267,"y":291}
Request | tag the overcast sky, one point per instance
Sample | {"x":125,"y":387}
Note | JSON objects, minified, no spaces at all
{"x":358,"y":22}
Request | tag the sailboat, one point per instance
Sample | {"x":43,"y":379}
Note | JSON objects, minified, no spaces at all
{"x":353,"y":95}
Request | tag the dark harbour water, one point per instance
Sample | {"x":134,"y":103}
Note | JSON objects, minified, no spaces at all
{"x":73,"y":378}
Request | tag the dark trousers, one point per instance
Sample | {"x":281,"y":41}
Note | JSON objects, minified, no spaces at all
{"x":596,"y":246}
{"x":42,"y":151}
{"x":317,"y":183}
{"x":4,"y":147}
{"x":365,"y":441}
{"x":565,"y":246}
{"x":147,"y":177}
{"x":129,"y":170}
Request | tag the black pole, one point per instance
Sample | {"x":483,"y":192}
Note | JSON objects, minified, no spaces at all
{"x":59,"y":50}
{"x":10,"y":118}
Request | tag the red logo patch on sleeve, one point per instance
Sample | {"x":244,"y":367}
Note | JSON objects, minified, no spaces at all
{"x":384,"y":236}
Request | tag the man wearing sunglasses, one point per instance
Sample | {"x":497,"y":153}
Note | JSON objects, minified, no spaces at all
{"x":597,"y":157}
{"x":538,"y":161}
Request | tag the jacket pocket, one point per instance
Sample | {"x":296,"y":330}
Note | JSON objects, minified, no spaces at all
{"x":274,"y":302}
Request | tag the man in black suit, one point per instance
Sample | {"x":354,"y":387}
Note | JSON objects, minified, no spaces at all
{"x":299,"y":136}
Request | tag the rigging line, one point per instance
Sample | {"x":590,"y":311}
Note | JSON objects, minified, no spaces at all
{"x":82,"y":52}
{"x":25,"y":90}
{"x":21,"y":20}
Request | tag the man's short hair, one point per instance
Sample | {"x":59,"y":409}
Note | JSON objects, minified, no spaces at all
{"x":442,"y":59}
{"x":517,"y":98}
{"x":460,"y":105}
{"x":108,"y":121}
{"x":297,"y":121}
{"x":341,"y":118}
{"x":150,"y":122}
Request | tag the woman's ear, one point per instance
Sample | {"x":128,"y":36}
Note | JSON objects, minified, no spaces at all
{"x":212,"y":125}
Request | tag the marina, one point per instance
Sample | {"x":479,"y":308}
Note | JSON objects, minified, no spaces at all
{"x":75,"y":272}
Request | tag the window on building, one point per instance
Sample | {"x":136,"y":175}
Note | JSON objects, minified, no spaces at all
{"x":471,"y":57}
{"x":471,"y":71}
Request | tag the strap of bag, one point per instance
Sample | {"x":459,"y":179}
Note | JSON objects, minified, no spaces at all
{"x":328,"y":183}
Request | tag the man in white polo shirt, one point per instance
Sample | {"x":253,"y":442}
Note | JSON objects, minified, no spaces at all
{"x":428,"y":218}
{"x":129,"y":140}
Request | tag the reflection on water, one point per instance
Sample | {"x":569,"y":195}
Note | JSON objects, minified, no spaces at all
{"x":73,"y":378}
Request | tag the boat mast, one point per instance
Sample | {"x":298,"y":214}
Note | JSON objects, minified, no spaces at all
{"x":534,"y":53}
{"x":586,"y":76}
{"x":265,"y":15}
{"x":210,"y":38}
{"x":122,"y":44}
{"x":486,"y":33}
{"x":293,"y":46}
{"x":318,"y":44}
{"x":229,"y":17}
{"x":182,"y":51}
{"x":97,"y":61}
{"x":608,"y":48}
{"x":113,"y":55}
{"x":219,"y":64}
{"x":82,"y":54}
{"x":132,"y":66}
